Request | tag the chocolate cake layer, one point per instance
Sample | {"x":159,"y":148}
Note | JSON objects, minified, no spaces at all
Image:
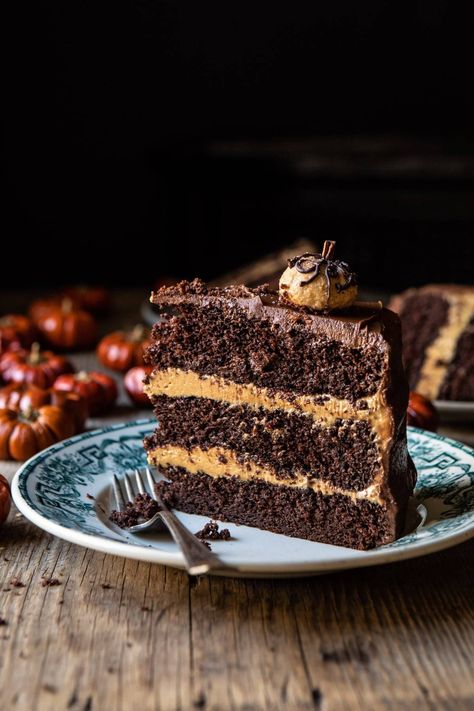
{"x":301,"y":513}
{"x":437,"y":326}
{"x":249,"y":336}
{"x":422,"y":317}
{"x":291,"y":444}
{"x":459,"y":379}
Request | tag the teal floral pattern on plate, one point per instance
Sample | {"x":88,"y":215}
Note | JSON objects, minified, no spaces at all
{"x":63,"y":478}
{"x":445,"y":484}
{"x":56,"y":487}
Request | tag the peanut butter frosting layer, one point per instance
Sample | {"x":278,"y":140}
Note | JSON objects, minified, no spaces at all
{"x":220,"y":462}
{"x":174,"y":382}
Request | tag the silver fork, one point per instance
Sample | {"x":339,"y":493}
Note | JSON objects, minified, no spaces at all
{"x":198,"y":558}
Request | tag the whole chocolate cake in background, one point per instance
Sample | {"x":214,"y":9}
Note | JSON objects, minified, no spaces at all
{"x":438,"y":340}
{"x":284,"y":410}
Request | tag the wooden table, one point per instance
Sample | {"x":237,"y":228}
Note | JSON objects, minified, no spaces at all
{"x":118,"y":634}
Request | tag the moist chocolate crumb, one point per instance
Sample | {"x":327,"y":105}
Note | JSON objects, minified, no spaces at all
{"x":211,"y":532}
{"x":205,"y":543}
{"x":50,"y":582}
{"x":226,"y":339}
{"x":135,"y":512}
{"x":291,"y":443}
{"x":16,"y":583}
{"x":302,"y":513}
{"x":3,"y":622}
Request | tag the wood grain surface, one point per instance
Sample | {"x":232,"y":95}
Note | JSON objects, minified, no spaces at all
{"x":85,"y":631}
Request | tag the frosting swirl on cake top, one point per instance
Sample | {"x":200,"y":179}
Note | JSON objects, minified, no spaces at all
{"x":319,"y":282}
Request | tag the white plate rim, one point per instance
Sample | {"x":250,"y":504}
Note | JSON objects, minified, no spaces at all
{"x":356,"y":559}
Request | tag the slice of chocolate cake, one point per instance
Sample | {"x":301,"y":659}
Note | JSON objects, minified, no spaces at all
{"x":438,"y":340}
{"x":277,"y":411}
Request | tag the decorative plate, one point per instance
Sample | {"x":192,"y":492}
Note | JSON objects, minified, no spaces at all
{"x":54,"y":490}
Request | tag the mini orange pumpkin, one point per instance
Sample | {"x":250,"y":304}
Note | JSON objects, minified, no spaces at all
{"x":5,"y":499}
{"x":26,"y":432}
{"x":94,"y":299}
{"x":63,"y":325}
{"x":121,"y":350}
{"x":422,"y":413}
{"x":17,"y":331}
{"x":21,"y":396}
{"x":98,"y":389}
{"x":133,"y":383}
{"x":34,"y":367}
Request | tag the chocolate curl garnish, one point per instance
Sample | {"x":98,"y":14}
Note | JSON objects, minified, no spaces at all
{"x":328,"y":249}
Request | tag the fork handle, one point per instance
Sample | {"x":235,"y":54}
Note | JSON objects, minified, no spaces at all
{"x":199,"y":559}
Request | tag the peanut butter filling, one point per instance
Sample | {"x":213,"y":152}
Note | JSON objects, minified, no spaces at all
{"x":220,"y":462}
{"x":441,"y":352}
{"x":174,"y":382}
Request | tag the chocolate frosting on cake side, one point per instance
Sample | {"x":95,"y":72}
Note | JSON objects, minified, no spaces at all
{"x":358,"y":321}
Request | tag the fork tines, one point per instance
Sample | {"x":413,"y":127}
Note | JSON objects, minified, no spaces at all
{"x":128,"y":486}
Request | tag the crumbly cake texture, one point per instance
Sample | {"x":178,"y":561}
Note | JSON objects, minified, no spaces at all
{"x":274,"y":416}
{"x":438,"y":340}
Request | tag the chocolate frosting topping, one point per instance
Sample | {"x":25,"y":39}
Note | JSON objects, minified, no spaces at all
{"x":361,"y":320}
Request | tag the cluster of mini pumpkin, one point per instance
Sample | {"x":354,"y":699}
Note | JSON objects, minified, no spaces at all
{"x":43,"y":400}
{"x":123,"y":351}
{"x":65,"y":321}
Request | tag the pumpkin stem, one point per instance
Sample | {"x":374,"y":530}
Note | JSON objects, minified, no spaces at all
{"x":28,"y":414}
{"x":138,"y":333}
{"x":67,"y":305}
{"x":35,"y":354}
{"x":83,"y":376}
{"x":328,"y":249}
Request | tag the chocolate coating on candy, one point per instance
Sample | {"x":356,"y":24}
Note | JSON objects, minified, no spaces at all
{"x":329,"y":283}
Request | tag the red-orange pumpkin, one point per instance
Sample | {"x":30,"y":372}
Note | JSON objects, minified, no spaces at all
{"x":5,"y":499}
{"x":422,"y":413}
{"x":16,"y":331}
{"x":34,"y":367}
{"x":98,"y":389}
{"x":22,"y":396}
{"x":94,"y":299}
{"x":133,"y":382}
{"x":24,"y":433}
{"x":63,"y":325}
{"x":121,"y":350}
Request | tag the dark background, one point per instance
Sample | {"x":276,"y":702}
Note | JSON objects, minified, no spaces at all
{"x":151,"y":138}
